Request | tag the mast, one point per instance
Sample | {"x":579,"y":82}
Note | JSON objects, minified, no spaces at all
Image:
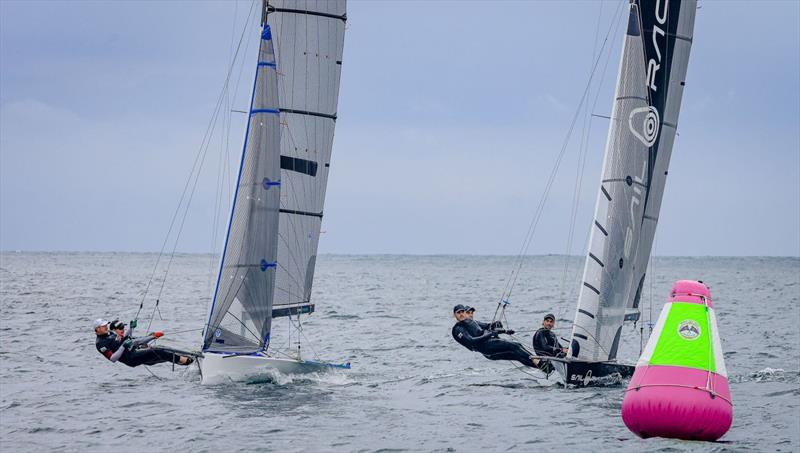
{"x":641,"y":134}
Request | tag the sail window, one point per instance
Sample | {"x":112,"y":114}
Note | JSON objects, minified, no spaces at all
{"x":306,"y":167}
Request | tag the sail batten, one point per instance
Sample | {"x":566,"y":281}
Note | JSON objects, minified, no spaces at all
{"x":645,"y":112}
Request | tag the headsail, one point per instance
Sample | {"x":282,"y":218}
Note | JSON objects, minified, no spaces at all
{"x":239,"y":319}
{"x":309,"y":40}
{"x":645,"y":114}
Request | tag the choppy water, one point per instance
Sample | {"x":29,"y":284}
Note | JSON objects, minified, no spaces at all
{"x":411,"y":387}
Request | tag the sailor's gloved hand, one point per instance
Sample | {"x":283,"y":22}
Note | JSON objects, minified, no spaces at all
{"x":158,"y":334}
{"x":127,"y":344}
{"x":132,"y":324}
{"x":510,"y":332}
{"x":494,"y":334}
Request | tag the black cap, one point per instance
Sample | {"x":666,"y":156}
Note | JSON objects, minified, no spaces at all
{"x":549,"y":315}
{"x":116,"y":324}
{"x":459,"y":307}
{"x":468,"y":308}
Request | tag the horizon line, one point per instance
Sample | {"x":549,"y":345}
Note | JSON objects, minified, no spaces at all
{"x":8,"y":252}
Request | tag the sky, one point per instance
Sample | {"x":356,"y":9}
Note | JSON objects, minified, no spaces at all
{"x":451,"y":116}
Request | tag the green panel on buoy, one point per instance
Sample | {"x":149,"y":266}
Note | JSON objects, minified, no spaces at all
{"x":685,"y":339}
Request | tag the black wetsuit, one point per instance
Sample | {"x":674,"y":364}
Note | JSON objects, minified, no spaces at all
{"x":473,"y":336}
{"x":109,"y":344}
{"x":149,"y":356}
{"x":545,"y":342}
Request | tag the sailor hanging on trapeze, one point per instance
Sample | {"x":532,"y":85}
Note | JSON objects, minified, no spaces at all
{"x":120,"y":346}
{"x":483,"y":338}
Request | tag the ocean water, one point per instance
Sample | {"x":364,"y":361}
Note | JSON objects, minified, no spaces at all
{"x":411,"y":388}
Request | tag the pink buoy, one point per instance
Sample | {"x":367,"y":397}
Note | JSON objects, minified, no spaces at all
{"x":680,"y":386}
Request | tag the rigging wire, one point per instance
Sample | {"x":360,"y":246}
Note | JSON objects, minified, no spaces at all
{"x":193,"y":174}
{"x":519,"y":259}
{"x":582,"y":151}
{"x":616,"y":21}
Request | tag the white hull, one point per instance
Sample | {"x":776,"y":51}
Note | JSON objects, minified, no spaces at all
{"x":216,"y":368}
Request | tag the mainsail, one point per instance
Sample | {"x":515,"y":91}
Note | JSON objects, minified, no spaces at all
{"x":647,"y":101}
{"x":309,"y":40}
{"x":268,"y":261}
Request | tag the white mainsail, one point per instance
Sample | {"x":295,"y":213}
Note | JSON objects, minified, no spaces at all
{"x":643,"y":122}
{"x":309,"y":41}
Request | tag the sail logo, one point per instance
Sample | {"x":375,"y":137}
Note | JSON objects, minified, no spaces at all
{"x":689,"y":329}
{"x":652,"y":65}
{"x":650,"y":124}
{"x":634,"y":208}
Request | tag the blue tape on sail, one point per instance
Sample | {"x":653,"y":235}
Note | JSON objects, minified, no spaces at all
{"x":266,"y":265}
{"x":267,"y":33}
{"x":272,"y":111}
{"x":271,"y":64}
{"x":267,"y":183}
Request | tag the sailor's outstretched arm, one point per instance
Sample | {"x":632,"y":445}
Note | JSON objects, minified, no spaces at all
{"x":117,"y":354}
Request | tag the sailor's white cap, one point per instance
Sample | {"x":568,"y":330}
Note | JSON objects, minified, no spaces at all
{"x":99,"y":322}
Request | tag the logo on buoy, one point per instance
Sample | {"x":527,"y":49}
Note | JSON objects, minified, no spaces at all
{"x":689,"y":329}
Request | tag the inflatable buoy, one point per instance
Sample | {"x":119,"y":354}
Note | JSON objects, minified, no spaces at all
{"x":680,"y":386}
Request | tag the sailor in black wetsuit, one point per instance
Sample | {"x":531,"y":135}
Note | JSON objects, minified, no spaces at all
{"x":545,"y":341}
{"x":472,"y":336}
{"x":126,"y":350}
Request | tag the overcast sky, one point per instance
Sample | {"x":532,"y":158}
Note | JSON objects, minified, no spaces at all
{"x":451,"y":115}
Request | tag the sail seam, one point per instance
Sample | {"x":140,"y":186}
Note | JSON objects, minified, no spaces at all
{"x":673,"y":35}
{"x":639,"y":98}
